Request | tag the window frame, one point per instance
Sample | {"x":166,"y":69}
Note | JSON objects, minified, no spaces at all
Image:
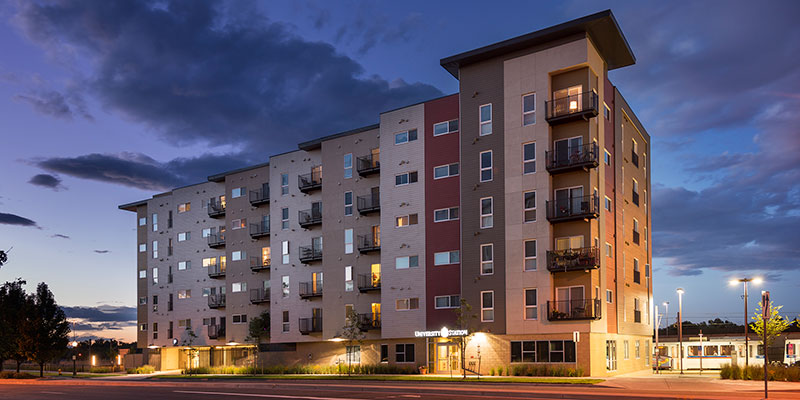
{"x":450,"y":257}
{"x":348,"y":171}
{"x":482,"y":122}
{"x":529,"y":112}
{"x":348,"y":207}
{"x":526,"y":257}
{"x":490,"y":215}
{"x":490,"y":261}
{"x":489,"y":169}
{"x":484,"y":308}
{"x":450,"y":304}
{"x":527,"y":307}
{"x":526,"y":161}
{"x":450,"y":213}
{"x":449,"y":168}
{"x":525,"y":209}
{"x":284,"y":184}
{"x":449,"y":129}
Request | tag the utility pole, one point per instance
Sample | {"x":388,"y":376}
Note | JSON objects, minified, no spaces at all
{"x":765,"y":311}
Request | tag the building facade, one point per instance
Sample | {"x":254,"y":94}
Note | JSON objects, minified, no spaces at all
{"x":524,"y":198}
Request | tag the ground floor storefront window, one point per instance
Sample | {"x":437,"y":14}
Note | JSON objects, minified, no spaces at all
{"x":547,"y":351}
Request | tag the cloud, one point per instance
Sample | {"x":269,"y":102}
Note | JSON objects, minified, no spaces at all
{"x":102,"y":251}
{"x":13,"y":219}
{"x":56,"y":104}
{"x":102,"y":313}
{"x":46,"y":180}
{"x":60,"y":236}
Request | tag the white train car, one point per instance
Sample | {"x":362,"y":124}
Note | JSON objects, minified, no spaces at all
{"x":715,"y":351}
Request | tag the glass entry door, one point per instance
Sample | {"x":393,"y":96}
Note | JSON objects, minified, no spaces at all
{"x":447,"y":357}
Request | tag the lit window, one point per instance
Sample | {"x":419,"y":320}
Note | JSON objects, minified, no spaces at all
{"x":238,"y":287}
{"x":446,"y":257}
{"x":285,"y":251}
{"x":284,"y":184}
{"x":528,"y":158}
{"x":487,"y":259}
{"x":486,"y":166}
{"x":529,"y":210}
{"x":209,"y":262}
{"x":405,"y":178}
{"x":452,"y":301}
{"x":487,"y":306}
{"x":445,"y":171}
{"x":185,"y":294}
{"x":405,"y":137}
{"x":184,"y":207}
{"x":530,"y":255}
{"x":405,"y":220}
{"x":348,"y":203}
{"x":486,"y":119}
{"x":529,"y":109}
{"x":445,"y":214}
{"x":348,"y":166}
{"x":443,"y":128}
{"x":406,"y":262}
{"x":531,"y":304}
{"x":487,"y":211}
{"x":238,"y":224}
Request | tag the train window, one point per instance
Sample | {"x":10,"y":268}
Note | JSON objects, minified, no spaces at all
{"x":791,"y":349}
{"x":694,"y":351}
{"x":711,"y":351}
{"x":726,"y":350}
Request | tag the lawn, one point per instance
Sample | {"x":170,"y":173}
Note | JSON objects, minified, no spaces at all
{"x":407,"y":378}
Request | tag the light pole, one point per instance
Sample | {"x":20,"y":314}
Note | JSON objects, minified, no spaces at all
{"x":680,"y":324}
{"x":734,"y":282}
{"x":666,"y":314}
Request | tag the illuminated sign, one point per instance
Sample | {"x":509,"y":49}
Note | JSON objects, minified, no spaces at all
{"x":444,"y":332}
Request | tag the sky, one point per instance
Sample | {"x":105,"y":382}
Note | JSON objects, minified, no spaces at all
{"x":103,"y":103}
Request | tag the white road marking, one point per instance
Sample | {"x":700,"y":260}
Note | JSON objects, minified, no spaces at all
{"x":273,"y":396}
{"x":53,"y":392}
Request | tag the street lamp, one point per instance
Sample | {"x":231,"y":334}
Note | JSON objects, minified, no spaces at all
{"x":734,"y":282}
{"x":666,"y":314}
{"x":680,"y":323}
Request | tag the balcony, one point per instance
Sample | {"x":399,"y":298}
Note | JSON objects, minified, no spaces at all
{"x":369,"y":321}
{"x":216,"y":331}
{"x":216,"y":240}
{"x":369,"y":204}
{"x":573,"y":259}
{"x":260,"y":196}
{"x":259,"y":230}
{"x":574,"y":158}
{"x":368,"y":243}
{"x":309,"y":254}
{"x":216,"y":301}
{"x":258,"y":296}
{"x":259,"y":264}
{"x":310,"y":325}
{"x":368,"y":165}
{"x":216,"y":208}
{"x":571,"y":108}
{"x":572,"y":209}
{"x":309,"y":182}
{"x":369,"y":282}
{"x":310,"y":290}
{"x":571,"y":310}
{"x":309,"y":218}
{"x":216,"y":271}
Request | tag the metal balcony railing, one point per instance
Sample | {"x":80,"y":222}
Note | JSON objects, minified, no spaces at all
{"x":258,"y":296}
{"x":571,"y":108}
{"x":216,"y":240}
{"x":368,"y":243}
{"x":216,"y":301}
{"x":216,"y":271}
{"x":216,"y":331}
{"x":309,"y":254}
{"x":368,"y":165}
{"x":310,"y":289}
{"x":369,"y":321}
{"x":369,"y":282}
{"x":573,"y":259}
{"x":259,"y":263}
{"x":216,"y":208}
{"x":368,"y":204}
{"x":574,"y":158}
{"x":259,"y":229}
{"x":260,"y":196}
{"x":309,"y":218}
{"x":309,"y":182}
{"x":575,"y":208}
{"x":310,"y":325}
{"x":566,"y":310}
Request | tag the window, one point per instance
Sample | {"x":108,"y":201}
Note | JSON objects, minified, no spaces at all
{"x":528,"y":158}
{"x":635,"y":193}
{"x":155,"y":275}
{"x":208,"y":262}
{"x":407,"y":304}
{"x":529,"y":210}
{"x":239,"y":318}
{"x":384,"y":353}
{"x":239,"y":224}
{"x":445,"y":171}
{"x":607,"y":157}
{"x":155,"y":248}
{"x":626,"y":349}
{"x":637,"y":311}
{"x":348,"y":241}
{"x":206,"y":232}
{"x":406,"y":220}
{"x":206,"y":293}
{"x":285,"y":322}
{"x":237,"y":287}
{"x":606,"y":111}
{"x":445,"y":214}
{"x":155,"y":222}
{"x":348,"y":278}
{"x":353,"y":354}
{"x":185,"y":294}
{"x":486,"y":166}
{"x":184,"y":207}
{"x":348,"y":166}
{"x":238,"y":192}
{"x":443,"y":128}
{"x":285,"y":285}
{"x":404,"y":353}
{"x":238,"y":255}
{"x":636,"y":352}
{"x":529,"y":109}
{"x":405,"y":178}
{"x":406,"y":262}
{"x":609,"y":296}
{"x":142,"y":247}
{"x":184,"y":236}
{"x":487,"y":211}
{"x":636,"y":271}
{"x":405,"y":137}
{"x":184,"y":265}
{"x":285,"y":218}
{"x":142,"y":300}
{"x":284,"y":184}
{"x":143,"y":221}
{"x":487,"y":306}
{"x":635,"y":153}
{"x":609,"y":250}
{"x":531,"y":305}
{"x":285,"y":252}
{"x":530,"y":255}
{"x":143,"y":327}
{"x":348,"y":204}
{"x":608,"y":204}
{"x":487,"y":259}
{"x":446,"y":257}
{"x":486,"y":119}
{"x":441,"y":302}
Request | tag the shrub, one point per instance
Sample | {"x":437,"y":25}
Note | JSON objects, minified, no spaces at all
{"x":101,"y":370}
{"x":144,"y":369}
{"x":16,"y":375}
{"x":725,"y":371}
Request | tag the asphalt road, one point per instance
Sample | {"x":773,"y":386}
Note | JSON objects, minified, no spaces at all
{"x":341,"y":390}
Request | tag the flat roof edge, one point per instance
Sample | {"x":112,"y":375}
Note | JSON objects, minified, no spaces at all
{"x":317,"y":143}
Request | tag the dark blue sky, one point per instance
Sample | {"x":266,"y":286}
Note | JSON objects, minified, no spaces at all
{"x":103,"y":103}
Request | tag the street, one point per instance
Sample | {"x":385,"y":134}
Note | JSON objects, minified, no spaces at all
{"x":614,"y":388}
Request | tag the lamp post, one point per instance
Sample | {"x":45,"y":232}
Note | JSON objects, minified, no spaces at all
{"x":734,"y":282}
{"x":74,"y":363}
{"x":666,"y":314}
{"x":680,"y":324}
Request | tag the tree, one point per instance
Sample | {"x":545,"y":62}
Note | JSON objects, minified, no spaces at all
{"x":352,"y":334}
{"x":774,"y":325}
{"x":45,"y":331}
{"x":465,"y":320}
{"x":192,"y":352}
{"x":12,"y":303}
{"x":259,"y":327}
{"x":3,"y":257}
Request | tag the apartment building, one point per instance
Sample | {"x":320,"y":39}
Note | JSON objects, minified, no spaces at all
{"x":523,"y":197}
